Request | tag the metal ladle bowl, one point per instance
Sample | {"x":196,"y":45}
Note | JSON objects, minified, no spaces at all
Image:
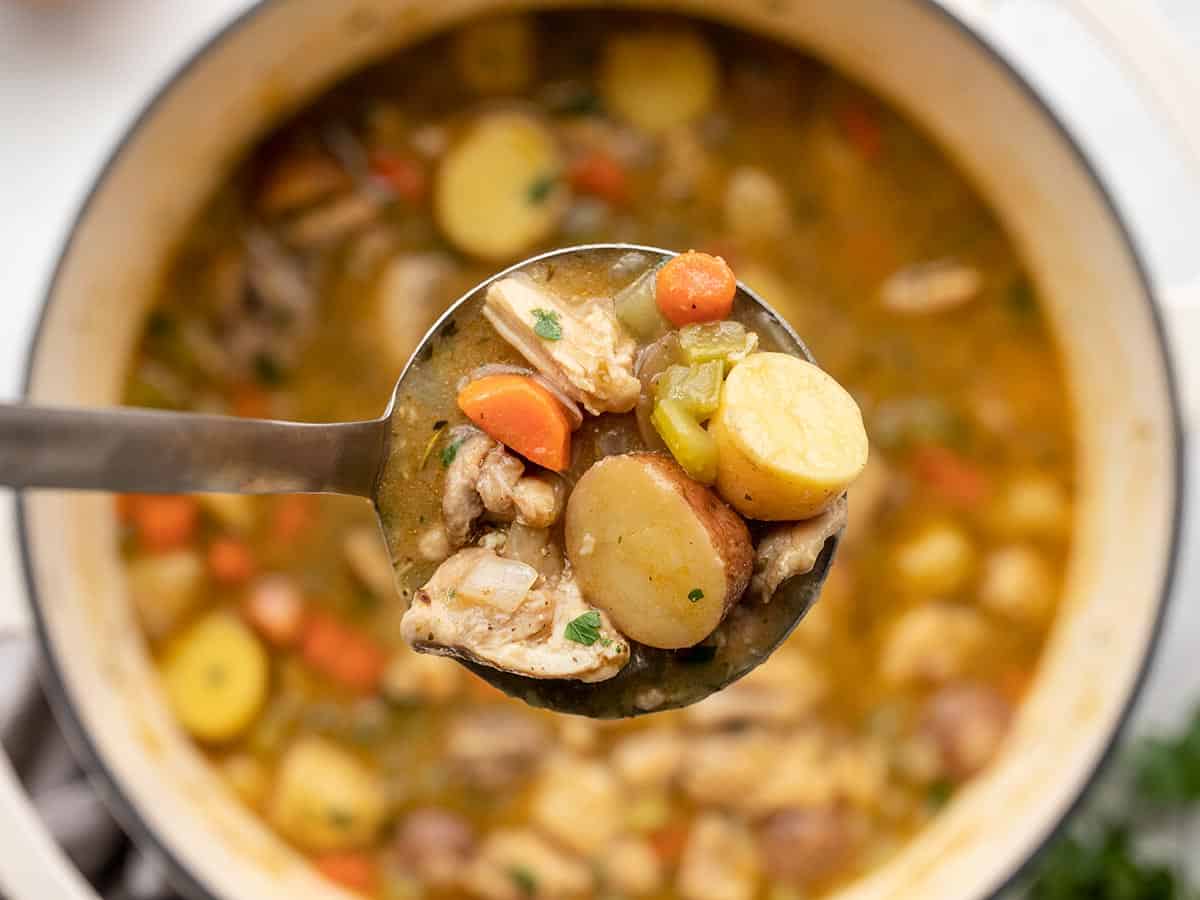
{"x":144,"y":451}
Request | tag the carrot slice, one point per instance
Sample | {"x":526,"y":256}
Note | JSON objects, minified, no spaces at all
{"x":343,"y":653}
{"x":600,"y":175}
{"x":950,"y":476}
{"x":230,"y":561}
{"x":351,"y":869}
{"x":292,"y":517}
{"x":695,"y":287}
{"x":404,"y":175}
{"x":521,"y":414}
{"x":164,"y":522}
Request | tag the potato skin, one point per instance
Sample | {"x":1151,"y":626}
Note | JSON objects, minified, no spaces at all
{"x":683,"y":538}
{"x":728,"y":530}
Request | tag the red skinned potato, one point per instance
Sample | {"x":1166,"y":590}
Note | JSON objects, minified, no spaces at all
{"x":657,"y":551}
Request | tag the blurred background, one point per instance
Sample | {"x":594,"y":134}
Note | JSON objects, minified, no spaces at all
{"x":72,"y":76}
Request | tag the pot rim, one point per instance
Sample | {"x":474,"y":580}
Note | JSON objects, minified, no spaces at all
{"x":52,"y":677}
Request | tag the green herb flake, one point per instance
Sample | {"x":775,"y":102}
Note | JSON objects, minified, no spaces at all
{"x":939,"y":793}
{"x":546,"y":325}
{"x":450,"y":451}
{"x":695,"y":595}
{"x":267,"y":370}
{"x":584,"y":629}
{"x":1021,"y":299}
{"x":524,"y":879}
{"x":540,"y":188}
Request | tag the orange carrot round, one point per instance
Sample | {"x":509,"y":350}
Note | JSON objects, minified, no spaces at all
{"x":522,"y":415}
{"x":164,"y":522}
{"x":230,"y":561}
{"x":600,"y":175}
{"x":695,"y":287}
{"x":343,"y":653}
{"x":352,"y":869}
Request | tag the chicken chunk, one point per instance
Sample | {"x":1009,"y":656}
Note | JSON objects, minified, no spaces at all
{"x":461,"y":503}
{"x":516,"y":864}
{"x":503,"y":613}
{"x":632,"y":867}
{"x":931,"y":287}
{"x":968,"y":723}
{"x":578,"y":802}
{"x":493,"y":748}
{"x":434,"y":844}
{"x":592,"y":361}
{"x":932,"y":643}
{"x":485,"y":477}
{"x":649,"y":759}
{"x":720,"y":861}
{"x":807,"y":845}
{"x":792,"y":549}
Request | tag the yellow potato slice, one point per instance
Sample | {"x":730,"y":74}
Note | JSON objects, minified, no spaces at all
{"x":656,"y":550}
{"x":215,"y":675}
{"x":659,"y":80}
{"x":325,"y":799}
{"x":496,"y":56}
{"x":499,"y":191}
{"x":790,"y":439}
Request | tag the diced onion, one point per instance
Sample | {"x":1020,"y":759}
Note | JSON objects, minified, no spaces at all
{"x":499,"y":583}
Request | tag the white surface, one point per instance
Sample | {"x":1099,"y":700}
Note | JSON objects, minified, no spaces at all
{"x":74,"y":74}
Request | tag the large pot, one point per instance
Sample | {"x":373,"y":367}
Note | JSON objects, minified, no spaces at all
{"x":910,"y":51}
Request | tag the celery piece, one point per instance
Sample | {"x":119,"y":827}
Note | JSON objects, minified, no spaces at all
{"x":697,"y":388}
{"x":637,"y":308}
{"x":692,"y":446}
{"x":727,"y":341}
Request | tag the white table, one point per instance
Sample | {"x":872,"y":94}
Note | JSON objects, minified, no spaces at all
{"x":73,"y":74}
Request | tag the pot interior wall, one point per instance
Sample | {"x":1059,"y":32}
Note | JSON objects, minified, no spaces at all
{"x":287,"y":51}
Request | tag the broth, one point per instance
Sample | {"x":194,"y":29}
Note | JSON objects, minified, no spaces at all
{"x":300,"y":292}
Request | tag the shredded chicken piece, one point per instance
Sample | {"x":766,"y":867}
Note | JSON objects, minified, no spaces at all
{"x":485,"y":477}
{"x":792,"y":549}
{"x":461,"y":503}
{"x":931,"y":287}
{"x":721,"y":861}
{"x":542,"y":869}
{"x":498,"y":479}
{"x":592,"y":362}
{"x":521,"y":630}
{"x":493,"y":747}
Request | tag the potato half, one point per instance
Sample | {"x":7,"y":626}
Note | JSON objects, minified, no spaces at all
{"x":657,"y":551}
{"x":790,"y":439}
{"x":499,"y":191}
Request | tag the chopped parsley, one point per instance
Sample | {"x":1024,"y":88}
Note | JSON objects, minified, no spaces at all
{"x":695,"y":595}
{"x":267,"y":370}
{"x":584,"y":629}
{"x":541,"y":187}
{"x":1021,"y":299}
{"x":938,"y":794}
{"x":524,"y":879}
{"x":450,"y":451}
{"x":546,"y":325}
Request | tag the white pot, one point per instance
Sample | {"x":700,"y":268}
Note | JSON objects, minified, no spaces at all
{"x":910,"y":51}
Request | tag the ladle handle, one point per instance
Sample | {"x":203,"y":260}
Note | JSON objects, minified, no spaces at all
{"x":144,"y":451}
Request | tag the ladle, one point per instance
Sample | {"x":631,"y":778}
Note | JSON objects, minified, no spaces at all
{"x":144,"y":451}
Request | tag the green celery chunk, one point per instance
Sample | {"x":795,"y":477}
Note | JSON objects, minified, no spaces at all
{"x":637,"y":308}
{"x":692,"y":446}
{"x":728,"y":342}
{"x":697,"y":388}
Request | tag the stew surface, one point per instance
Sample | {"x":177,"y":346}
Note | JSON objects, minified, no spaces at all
{"x":303,"y":287}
